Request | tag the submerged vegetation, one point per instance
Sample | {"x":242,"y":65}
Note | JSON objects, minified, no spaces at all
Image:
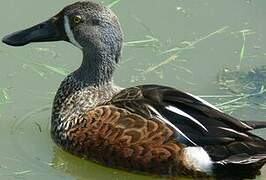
{"x":113,"y":3}
{"x":244,"y":33}
{"x":240,"y":82}
{"x":4,"y":96}
{"x":42,"y":69}
{"x":176,"y":51}
{"x":149,"y":41}
{"x":191,"y":44}
{"x":245,"y":88}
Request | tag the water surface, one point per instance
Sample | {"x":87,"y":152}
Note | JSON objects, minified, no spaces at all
{"x":216,"y":34}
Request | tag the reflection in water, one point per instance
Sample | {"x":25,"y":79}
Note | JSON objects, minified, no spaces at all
{"x":83,"y":169}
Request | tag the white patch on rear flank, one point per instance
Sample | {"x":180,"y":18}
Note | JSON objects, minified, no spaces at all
{"x":204,"y":102}
{"x":184,"y":114}
{"x":196,"y":158}
{"x":70,"y":34}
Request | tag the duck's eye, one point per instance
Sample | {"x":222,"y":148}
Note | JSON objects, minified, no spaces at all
{"x":77,"y":19}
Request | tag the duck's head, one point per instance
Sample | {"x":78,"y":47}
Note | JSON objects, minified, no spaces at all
{"x":89,"y":26}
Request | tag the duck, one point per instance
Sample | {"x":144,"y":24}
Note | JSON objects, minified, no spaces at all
{"x":150,"y":129}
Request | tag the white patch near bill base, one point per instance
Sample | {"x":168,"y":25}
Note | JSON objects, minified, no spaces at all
{"x":197,"y":158}
{"x":69,"y":33}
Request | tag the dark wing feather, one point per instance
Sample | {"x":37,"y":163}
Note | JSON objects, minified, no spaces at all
{"x":191,"y":105}
{"x":196,"y":122}
{"x":256,"y":124}
{"x":239,"y":167}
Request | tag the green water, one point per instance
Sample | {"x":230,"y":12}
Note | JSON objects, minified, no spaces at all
{"x":216,"y":34}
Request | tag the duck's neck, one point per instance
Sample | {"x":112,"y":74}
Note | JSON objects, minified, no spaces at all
{"x":97,"y":68}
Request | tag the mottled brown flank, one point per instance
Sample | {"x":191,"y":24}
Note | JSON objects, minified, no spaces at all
{"x":118,"y":138}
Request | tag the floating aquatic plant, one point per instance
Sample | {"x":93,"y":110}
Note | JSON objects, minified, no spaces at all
{"x":244,"y":33}
{"x":191,"y":44}
{"x":4,"y":96}
{"x":240,"y":82}
{"x":247,"y":89}
{"x":41,"y":69}
{"x":176,"y":52}
{"x":150,"y":41}
{"x":155,"y":67}
{"x":113,"y":3}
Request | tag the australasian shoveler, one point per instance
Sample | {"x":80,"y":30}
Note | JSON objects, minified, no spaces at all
{"x":149,"y":128}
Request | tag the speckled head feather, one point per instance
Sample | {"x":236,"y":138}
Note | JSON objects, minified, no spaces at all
{"x":99,"y":26}
{"x":100,"y":37}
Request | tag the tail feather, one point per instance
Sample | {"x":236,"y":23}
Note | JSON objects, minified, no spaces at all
{"x":256,"y":124}
{"x":238,"y":167}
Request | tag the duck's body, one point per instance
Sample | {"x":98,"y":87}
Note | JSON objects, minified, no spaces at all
{"x":147,"y":129}
{"x":150,"y":128}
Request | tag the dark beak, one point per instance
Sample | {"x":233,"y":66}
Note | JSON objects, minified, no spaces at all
{"x":51,"y":30}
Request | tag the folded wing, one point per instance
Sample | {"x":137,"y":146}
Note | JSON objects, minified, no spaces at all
{"x":195,"y":122}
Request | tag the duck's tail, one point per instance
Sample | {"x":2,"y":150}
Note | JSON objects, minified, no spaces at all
{"x":238,"y":167}
{"x":256,"y":124}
